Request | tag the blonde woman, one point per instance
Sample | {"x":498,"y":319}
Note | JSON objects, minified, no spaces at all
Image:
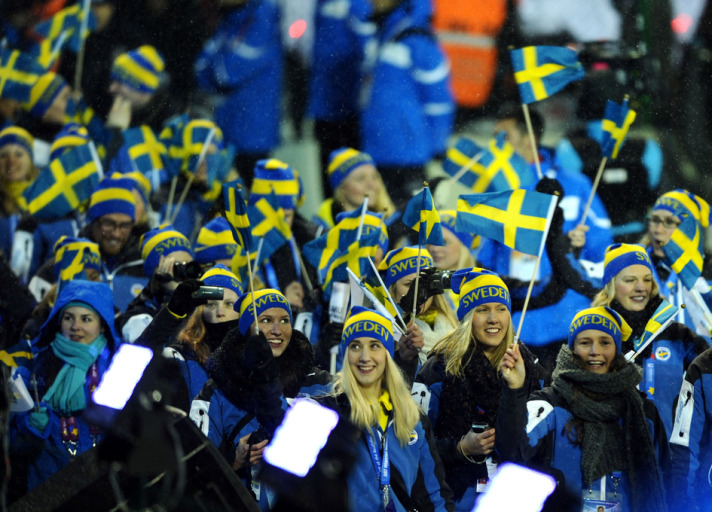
{"x":371,"y":391}
{"x":461,"y":383}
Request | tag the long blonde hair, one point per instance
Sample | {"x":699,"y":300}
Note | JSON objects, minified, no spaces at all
{"x":455,"y":346}
{"x":365,"y":414}
{"x":608,"y":293}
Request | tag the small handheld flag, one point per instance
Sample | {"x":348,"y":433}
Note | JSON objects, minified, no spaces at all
{"x":421,"y":216}
{"x":663,"y":316}
{"x":267,"y":221}
{"x":616,"y":121}
{"x":684,"y":251}
{"x":18,"y":74}
{"x":541,"y":71}
{"x":236,"y":215}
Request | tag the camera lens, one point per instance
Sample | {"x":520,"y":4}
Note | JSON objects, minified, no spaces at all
{"x":446,"y":279}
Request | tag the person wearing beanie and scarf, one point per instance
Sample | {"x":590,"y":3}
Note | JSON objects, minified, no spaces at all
{"x":371,"y":391}
{"x":592,"y":426}
{"x":228,"y":409}
{"x":74,"y":348}
{"x":460,"y":383}
{"x":631,"y":290}
{"x":17,"y":170}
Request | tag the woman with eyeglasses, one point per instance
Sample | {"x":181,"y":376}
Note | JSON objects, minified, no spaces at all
{"x":631,"y":291}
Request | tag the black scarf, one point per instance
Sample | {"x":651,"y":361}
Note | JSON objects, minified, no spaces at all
{"x":600,"y":401}
{"x":215,"y":333}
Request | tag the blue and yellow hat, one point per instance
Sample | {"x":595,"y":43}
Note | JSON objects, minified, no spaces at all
{"x":141,"y":183}
{"x":195,"y":135}
{"x":344,"y":160}
{"x":367,"y":323}
{"x":90,"y":255}
{"x":113,"y":194}
{"x":447,"y":220}
{"x":275,"y":175}
{"x":19,"y":136}
{"x":215,"y":241}
{"x":141,"y":69}
{"x":681,"y":201}
{"x":404,"y":262}
{"x":70,"y":136}
{"x":161,"y":241}
{"x":602,"y":319}
{"x":265,"y":299}
{"x":477,"y":286}
{"x":43,"y":93}
{"x":220,"y":275}
{"x":620,"y":256}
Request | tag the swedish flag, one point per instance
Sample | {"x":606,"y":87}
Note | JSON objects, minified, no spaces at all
{"x":420,"y":215}
{"x":145,"y":149}
{"x":684,"y":251}
{"x":67,"y":182}
{"x":18,"y":73}
{"x":348,"y":224}
{"x":663,"y":316}
{"x":19,"y":354}
{"x":236,"y":214}
{"x":370,"y":280}
{"x":616,"y":121}
{"x":519,"y":218}
{"x":62,"y":30}
{"x":267,"y":221}
{"x":541,"y":71}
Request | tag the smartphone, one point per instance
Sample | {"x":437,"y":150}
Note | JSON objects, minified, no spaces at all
{"x":209,"y":293}
{"x":478,"y":428}
{"x":533,"y":488}
{"x":300,"y":437}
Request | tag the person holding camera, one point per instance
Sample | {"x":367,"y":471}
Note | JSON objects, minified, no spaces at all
{"x":592,"y":426}
{"x":460,"y":383}
{"x":237,"y":408}
{"x":397,"y":465}
{"x":167,"y":260}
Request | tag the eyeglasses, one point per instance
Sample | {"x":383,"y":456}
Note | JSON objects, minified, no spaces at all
{"x":110,"y":225}
{"x":668,"y":222}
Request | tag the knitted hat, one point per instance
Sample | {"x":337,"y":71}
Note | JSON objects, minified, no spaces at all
{"x":161,"y":241}
{"x":43,"y":93}
{"x":66,"y":249}
{"x":71,"y":135}
{"x":274,"y":175}
{"x":681,"y":201}
{"x":19,"y":136}
{"x":215,"y":241}
{"x":366,"y":323}
{"x":220,"y":275}
{"x":344,"y":160}
{"x":141,"y":183}
{"x":195,"y":135}
{"x":620,"y":256}
{"x":404,"y":262}
{"x":265,"y":299}
{"x":447,"y":221}
{"x":477,"y":286}
{"x":140,"y":69}
{"x":112,"y":195}
{"x":602,"y":319}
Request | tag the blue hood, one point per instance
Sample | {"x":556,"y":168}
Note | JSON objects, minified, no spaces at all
{"x":98,"y":295}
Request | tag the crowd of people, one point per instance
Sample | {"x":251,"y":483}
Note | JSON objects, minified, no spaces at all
{"x":116,"y":214}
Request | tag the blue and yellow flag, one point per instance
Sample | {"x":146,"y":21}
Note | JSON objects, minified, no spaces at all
{"x":616,"y":121}
{"x":19,"y":354}
{"x":63,"y":30}
{"x":519,"y":218}
{"x":145,"y":149}
{"x":67,"y":182}
{"x":420,"y":215}
{"x":663,"y":316}
{"x":18,"y":74}
{"x":268,"y":224}
{"x":541,"y":71}
{"x":236,"y":214}
{"x":684,"y":251}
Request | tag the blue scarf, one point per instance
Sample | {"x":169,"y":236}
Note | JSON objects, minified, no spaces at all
{"x":66,"y":395}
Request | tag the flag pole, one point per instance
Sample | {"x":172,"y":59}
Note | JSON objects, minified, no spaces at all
{"x":469,"y":165}
{"x":364,"y":207}
{"x":417,"y":263}
{"x":388,"y":294}
{"x":171,"y":195}
{"x":82,"y":43}
{"x":593,"y":190}
{"x":532,"y":140}
{"x":181,"y":199}
{"x":526,"y":299}
{"x":249,"y":269}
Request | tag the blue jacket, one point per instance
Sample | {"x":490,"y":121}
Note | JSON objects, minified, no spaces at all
{"x":407,"y":105}
{"x":417,"y":465}
{"x":691,"y":439}
{"x":45,"y":451}
{"x":532,"y":431}
{"x":243,"y":62}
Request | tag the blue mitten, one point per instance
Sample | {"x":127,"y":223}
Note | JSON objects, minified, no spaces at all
{"x":39,"y":419}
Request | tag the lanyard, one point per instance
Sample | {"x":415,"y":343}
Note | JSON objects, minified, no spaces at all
{"x":382,"y":467}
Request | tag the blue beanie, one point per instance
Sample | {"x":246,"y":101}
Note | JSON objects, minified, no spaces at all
{"x":221,"y":276}
{"x":113,"y":194}
{"x":344,"y":160}
{"x":620,"y":256}
{"x":602,"y":319}
{"x":215,"y":242}
{"x":404,"y":262}
{"x":161,"y":241}
{"x":265,"y":299}
{"x":477,"y":286}
{"x":367,"y":323}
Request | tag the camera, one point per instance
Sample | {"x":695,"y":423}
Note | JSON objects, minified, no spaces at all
{"x":478,"y":428}
{"x":436,"y":280}
{"x":209,"y":293}
{"x":187,"y":270}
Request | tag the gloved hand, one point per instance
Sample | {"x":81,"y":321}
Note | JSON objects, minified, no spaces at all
{"x":39,"y":419}
{"x":26,"y":223}
{"x":331,"y":336}
{"x":182,"y":301}
{"x":259,"y":360}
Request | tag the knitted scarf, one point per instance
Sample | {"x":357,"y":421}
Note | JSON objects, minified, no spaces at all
{"x":600,"y":401}
{"x":66,"y":395}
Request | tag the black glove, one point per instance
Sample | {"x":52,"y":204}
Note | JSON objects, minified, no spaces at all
{"x":552,"y":187}
{"x":258,"y":359}
{"x":27,"y":223}
{"x":331,"y":335}
{"x":182,"y":301}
